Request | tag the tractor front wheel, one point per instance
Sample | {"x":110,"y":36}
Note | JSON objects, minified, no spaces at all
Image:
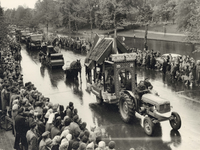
{"x":175,"y":121}
{"x":148,"y":126}
{"x":126,"y":108}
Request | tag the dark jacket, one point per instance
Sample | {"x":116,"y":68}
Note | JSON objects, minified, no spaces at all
{"x":54,"y":131}
{"x":21,"y":125}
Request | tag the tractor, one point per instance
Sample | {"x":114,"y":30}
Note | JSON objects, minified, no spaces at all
{"x":114,"y":81}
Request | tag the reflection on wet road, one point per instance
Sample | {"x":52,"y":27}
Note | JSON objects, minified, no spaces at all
{"x":106,"y":118}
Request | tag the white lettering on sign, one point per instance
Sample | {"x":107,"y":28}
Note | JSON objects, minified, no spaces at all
{"x":118,"y":66}
{"x":123,"y":57}
{"x":131,"y":65}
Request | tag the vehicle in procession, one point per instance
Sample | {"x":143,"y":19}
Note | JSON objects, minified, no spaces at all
{"x":51,"y":56}
{"x":114,"y":81}
{"x":34,"y":41}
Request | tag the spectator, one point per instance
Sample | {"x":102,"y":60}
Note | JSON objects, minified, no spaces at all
{"x":21,"y":129}
{"x":42,"y":143}
{"x":32,"y":138}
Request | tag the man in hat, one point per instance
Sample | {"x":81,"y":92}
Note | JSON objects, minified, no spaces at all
{"x":4,"y":101}
{"x":32,"y":138}
{"x":21,"y":128}
{"x":140,"y":90}
{"x":14,"y":95}
{"x":147,"y":84}
{"x":69,"y":110}
{"x":42,"y":143}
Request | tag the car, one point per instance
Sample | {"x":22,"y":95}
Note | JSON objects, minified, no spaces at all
{"x":35,"y":41}
{"x":24,"y":34}
{"x":174,"y":56}
{"x":160,"y":60}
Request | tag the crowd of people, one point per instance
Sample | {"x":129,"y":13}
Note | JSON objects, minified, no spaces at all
{"x":180,"y":67}
{"x":38,"y":124}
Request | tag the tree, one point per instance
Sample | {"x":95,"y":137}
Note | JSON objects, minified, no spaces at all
{"x":3,"y":29}
{"x":144,"y":17}
{"x":73,"y":13}
{"x":164,"y":10}
{"x":188,"y":14}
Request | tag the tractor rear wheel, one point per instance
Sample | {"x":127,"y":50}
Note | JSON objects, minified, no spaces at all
{"x":175,"y":122}
{"x":148,"y":126}
{"x":126,"y":108}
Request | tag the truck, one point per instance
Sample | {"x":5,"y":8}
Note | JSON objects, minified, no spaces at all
{"x":51,"y":57}
{"x":34,"y":41}
{"x":113,"y":80}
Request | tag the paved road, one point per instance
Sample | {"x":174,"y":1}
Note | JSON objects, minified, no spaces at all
{"x":52,"y":84}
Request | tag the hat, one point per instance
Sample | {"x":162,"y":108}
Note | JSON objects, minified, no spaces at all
{"x":31,"y":111}
{"x":33,"y":124}
{"x":55,"y":106}
{"x":90,"y":146}
{"x":111,"y":145}
{"x":82,"y":146}
{"x":48,"y":142}
{"x":75,"y":145}
{"x":71,"y":104}
{"x":64,"y":144}
{"x":58,"y":118}
{"x":56,"y":140}
{"x":87,"y":133}
{"x":102,"y":144}
{"x":45,"y":134}
{"x":84,"y":139}
{"x":75,"y":118}
{"x":64,"y":133}
{"x":69,"y":137}
{"x":15,"y":107}
{"x":16,"y":101}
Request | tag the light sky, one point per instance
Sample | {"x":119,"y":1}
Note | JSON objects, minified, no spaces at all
{"x":8,"y":4}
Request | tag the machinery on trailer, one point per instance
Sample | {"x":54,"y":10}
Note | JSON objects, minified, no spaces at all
{"x":114,"y":81}
{"x":51,"y":57}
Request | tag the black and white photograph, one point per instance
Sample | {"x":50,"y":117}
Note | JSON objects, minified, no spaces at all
{"x":99,"y":74}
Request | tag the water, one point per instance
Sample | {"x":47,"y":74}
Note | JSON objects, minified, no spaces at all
{"x":163,"y":47}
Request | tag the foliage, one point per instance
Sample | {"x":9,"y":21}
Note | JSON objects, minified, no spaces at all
{"x":164,"y":10}
{"x":113,"y":13}
{"x":3,"y":29}
{"x":108,"y":14}
{"x":188,"y":14}
{"x":145,"y":14}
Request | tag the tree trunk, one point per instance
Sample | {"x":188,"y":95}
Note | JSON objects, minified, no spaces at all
{"x":115,"y":35}
{"x":91,"y":23}
{"x":145,"y":37}
{"x":69,"y":25}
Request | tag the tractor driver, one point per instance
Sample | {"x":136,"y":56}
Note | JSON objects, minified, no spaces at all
{"x":140,"y":90}
{"x":148,"y":84}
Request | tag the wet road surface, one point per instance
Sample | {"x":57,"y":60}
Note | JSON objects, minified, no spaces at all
{"x":106,"y":118}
